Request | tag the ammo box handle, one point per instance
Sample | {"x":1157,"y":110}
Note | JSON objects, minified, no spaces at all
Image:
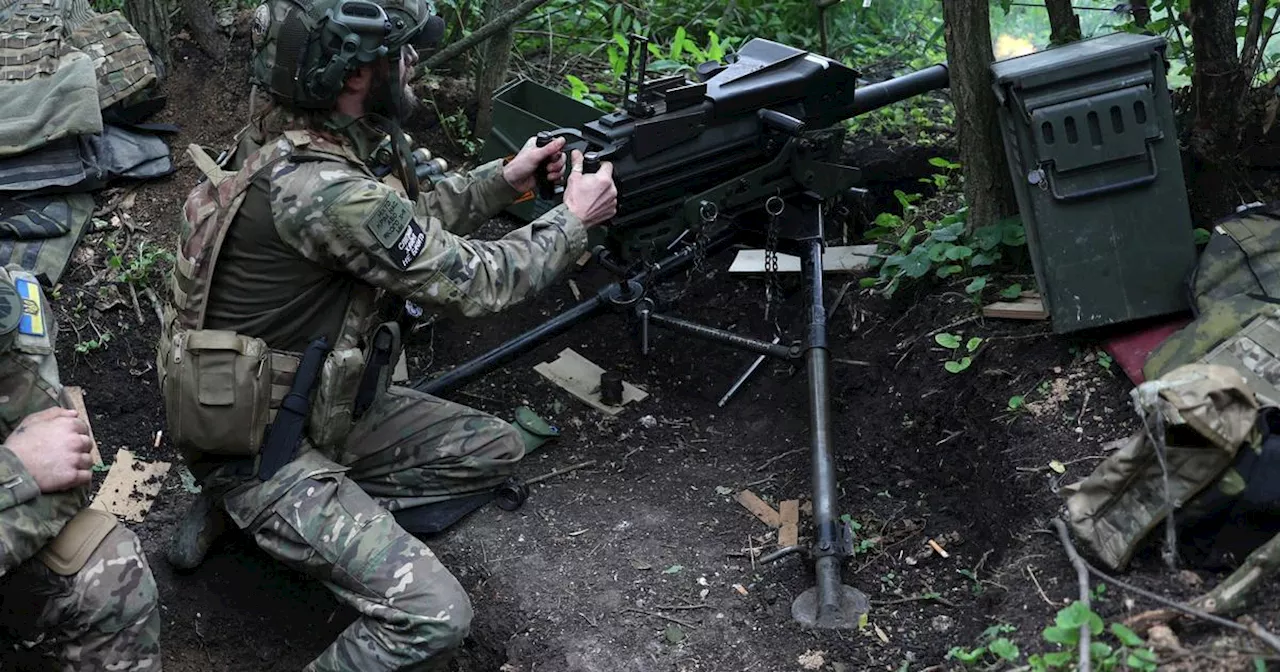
{"x":1106,"y":188}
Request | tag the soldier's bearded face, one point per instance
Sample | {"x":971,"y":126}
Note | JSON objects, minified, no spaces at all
{"x":379,"y":99}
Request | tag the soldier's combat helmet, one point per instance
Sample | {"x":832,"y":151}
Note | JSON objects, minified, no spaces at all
{"x":305,"y":49}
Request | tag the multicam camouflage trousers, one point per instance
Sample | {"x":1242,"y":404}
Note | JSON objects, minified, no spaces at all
{"x":104,"y":617}
{"x":331,"y":519}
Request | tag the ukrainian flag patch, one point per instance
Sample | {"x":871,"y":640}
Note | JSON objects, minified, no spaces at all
{"x":32,"y":323}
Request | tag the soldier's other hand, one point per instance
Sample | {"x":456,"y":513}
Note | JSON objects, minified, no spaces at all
{"x":592,"y":197}
{"x":521,"y":170}
{"x":54,"y":447}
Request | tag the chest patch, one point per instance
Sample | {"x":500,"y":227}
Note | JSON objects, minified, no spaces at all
{"x":389,"y":221}
{"x":32,"y":323}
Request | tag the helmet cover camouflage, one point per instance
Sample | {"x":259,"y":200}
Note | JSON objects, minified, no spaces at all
{"x":305,"y":49}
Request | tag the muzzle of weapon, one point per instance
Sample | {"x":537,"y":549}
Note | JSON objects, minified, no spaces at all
{"x":890,"y":91}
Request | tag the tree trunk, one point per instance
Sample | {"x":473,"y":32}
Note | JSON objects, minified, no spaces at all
{"x":1064,"y":25}
{"x":151,"y":19}
{"x":495,"y":56}
{"x":987,"y":189}
{"x":1141,"y":12}
{"x":1219,"y":82}
{"x":204,"y":27}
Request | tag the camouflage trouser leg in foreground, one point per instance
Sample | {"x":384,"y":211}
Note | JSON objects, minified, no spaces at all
{"x":105,"y":617}
{"x":409,"y":449}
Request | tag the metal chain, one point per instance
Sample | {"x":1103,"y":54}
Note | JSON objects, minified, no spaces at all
{"x":773,"y":287}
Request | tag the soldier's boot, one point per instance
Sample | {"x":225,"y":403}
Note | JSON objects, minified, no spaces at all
{"x":196,"y":533}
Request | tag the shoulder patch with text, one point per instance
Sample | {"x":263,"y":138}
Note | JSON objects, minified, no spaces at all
{"x":409,"y":246}
{"x":389,"y":221}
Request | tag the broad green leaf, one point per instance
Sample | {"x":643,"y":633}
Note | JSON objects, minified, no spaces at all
{"x":939,"y":162}
{"x":947,"y":340}
{"x":1012,"y":233}
{"x":888,"y":220}
{"x":958,"y":252}
{"x":988,"y":237}
{"x":677,"y":44}
{"x":1126,"y":636}
{"x":673,"y":569}
{"x":966,"y":655}
{"x":949,"y":270}
{"x":983,"y":259}
{"x":1005,"y":649}
{"x":949,"y":233}
{"x":907,"y":236}
{"x":1201,"y":237}
{"x":1057,"y":466}
{"x":916,"y":263}
{"x":973,"y":344}
{"x":957,"y":367}
{"x":1060,"y":658}
{"x":976,"y":286}
{"x":1099,"y":650}
{"x":867,"y":283}
{"x":1011,"y":292}
{"x":1066,"y":635}
{"x":939,"y":251}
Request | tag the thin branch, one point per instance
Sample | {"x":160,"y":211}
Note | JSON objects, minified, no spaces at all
{"x":1082,"y":578}
{"x":1262,"y":50}
{"x":499,"y":23}
{"x":1253,"y":629}
{"x":1253,"y":33}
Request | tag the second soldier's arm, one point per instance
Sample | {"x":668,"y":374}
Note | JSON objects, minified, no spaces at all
{"x":344,"y":220}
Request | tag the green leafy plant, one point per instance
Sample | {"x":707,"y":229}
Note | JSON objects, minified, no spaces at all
{"x":136,"y":269}
{"x":1126,"y":651}
{"x":962,"y":356}
{"x":99,"y":343}
{"x":992,"y":651}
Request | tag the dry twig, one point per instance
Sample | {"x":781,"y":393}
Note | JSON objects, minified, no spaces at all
{"x":1082,"y":577}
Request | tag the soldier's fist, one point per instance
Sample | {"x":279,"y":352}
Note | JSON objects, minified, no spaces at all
{"x":54,"y":447}
{"x":593,"y":197}
{"x":521,"y":171}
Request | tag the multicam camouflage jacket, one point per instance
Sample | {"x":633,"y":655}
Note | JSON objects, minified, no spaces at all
{"x":29,"y":383}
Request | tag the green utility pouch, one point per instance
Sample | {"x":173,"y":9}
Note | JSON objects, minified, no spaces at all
{"x":217,"y":390}
{"x":333,"y":411}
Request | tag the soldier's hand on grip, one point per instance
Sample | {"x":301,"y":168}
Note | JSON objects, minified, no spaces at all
{"x":522,"y":169}
{"x":592,"y":197}
{"x":54,"y":447}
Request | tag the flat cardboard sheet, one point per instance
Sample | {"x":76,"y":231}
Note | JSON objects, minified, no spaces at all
{"x":581,"y":378}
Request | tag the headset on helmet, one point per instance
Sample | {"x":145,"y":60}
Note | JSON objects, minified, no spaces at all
{"x":305,"y":49}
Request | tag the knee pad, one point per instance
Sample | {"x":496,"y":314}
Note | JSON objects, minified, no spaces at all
{"x":80,"y":537}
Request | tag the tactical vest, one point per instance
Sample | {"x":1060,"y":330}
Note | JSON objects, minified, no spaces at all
{"x":1208,"y":414}
{"x":30,"y":383}
{"x":222,"y":389}
{"x":1236,"y":281}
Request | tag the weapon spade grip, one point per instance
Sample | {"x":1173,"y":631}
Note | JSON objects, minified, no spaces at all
{"x":590,"y":162}
{"x":546,"y":189}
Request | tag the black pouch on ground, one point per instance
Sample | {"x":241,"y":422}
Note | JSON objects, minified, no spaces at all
{"x":1227,"y":521}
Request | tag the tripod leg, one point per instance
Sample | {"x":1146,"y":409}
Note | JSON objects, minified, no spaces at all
{"x":829,"y":604}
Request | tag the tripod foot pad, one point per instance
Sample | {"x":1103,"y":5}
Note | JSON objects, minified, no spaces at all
{"x":849,"y":615}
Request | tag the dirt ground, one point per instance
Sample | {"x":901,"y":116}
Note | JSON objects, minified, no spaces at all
{"x":644,"y":562}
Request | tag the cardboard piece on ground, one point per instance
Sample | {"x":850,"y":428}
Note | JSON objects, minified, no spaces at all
{"x":758,"y":508}
{"x":789,"y":514}
{"x":1023,"y":309}
{"x":130,"y":487}
{"x":834,"y":259}
{"x":76,"y":396}
{"x":581,"y":378}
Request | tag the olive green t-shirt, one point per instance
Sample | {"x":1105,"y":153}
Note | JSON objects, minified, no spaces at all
{"x":266,"y":289}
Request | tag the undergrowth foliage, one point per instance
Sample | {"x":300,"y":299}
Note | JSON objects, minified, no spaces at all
{"x":1113,"y":648}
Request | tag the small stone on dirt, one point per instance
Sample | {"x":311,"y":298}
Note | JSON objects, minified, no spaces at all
{"x":648,"y":422}
{"x":674,"y":634}
{"x":641,"y":565}
{"x":1162,"y":639}
{"x":1190,"y":579}
{"x":942,"y":623}
{"x":812,"y":660}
